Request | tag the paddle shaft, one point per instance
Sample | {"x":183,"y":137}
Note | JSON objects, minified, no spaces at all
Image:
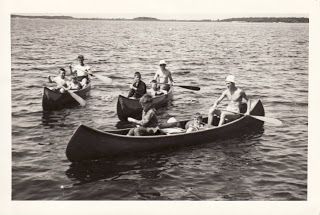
{"x":80,"y":100}
{"x":273,"y":121}
{"x":183,"y":86}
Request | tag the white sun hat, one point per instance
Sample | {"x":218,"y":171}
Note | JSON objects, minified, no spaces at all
{"x":162,"y":62}
{"x":230,"y":78}
{"x":172,"y":120}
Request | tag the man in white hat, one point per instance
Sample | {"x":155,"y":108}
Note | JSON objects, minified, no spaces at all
{"x":163,"y":76}
{"x":235,"y":96}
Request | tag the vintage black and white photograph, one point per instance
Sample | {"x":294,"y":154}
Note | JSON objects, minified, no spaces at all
{"x":160,"y":101}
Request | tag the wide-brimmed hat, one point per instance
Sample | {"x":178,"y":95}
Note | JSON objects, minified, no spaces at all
{"x":162,"y":62}
{"x":230,"y":78}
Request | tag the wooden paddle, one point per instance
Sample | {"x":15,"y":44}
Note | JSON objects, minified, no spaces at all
{"x":184,"y":86}
{"x":80,"y":100}
{"x":102,"y":78}
{"x":272,"y":121}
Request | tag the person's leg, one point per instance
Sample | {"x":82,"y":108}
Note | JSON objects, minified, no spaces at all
{"x":222,"y":117}
{"x":210,"y":116}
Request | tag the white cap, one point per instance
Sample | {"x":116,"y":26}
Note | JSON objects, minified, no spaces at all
{"x":172,"y":120}
{"x":162,"y":62}
{"x":230,"y":78}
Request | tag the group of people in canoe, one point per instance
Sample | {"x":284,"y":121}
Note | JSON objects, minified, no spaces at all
{"x":161,"y":83}
{"x":149,"y":125}
{"x":80,"y":77}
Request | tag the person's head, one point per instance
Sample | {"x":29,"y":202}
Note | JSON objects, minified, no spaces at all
{"x":146,"y":102}
{"x":154,"y":85}
{"x":74,"y":80}
{"x":81,"y":59}
{"x":137,"y":77}
{"x":197,"y":118}
{"x":230,"y":81}
{"x":162,"y":64}
{"x":62,"y":72}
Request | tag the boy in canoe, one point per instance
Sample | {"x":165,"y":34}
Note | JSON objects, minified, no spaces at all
{"x":73,"y":84}
{"x":60,"y":80}
{"x":81,"y":71}
{"x":155,"y":91}
{"x":138,"y":88}
{"x":149,"y":122}
{"x":196,"y":124}
{"x":163,"y":76}
{"x":235,"y":96}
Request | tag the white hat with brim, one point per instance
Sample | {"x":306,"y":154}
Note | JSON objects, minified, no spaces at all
{"x":162,"y":62}
{"x":230,"y":78}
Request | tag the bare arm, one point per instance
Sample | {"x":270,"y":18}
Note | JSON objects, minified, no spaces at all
{"x":156,"y":76}
{"x":219,"y":99}
{"x":170,"y":77}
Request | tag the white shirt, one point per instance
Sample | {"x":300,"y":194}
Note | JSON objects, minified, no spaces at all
{"x":59,"y":81}
{"x":82,"y":70}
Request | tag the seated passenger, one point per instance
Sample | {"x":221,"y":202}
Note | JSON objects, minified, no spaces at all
{"x":196,"y":124}
{"x":148,"y":125}
{"x":138,"y":88}
{"x":155,"y":91}
{"x":60,"y":80}
{"x":74,"y":84}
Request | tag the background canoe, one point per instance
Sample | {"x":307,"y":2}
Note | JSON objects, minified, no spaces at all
{"x":53,"y":100}
{"x":128,"y":107}
{"x":89,"y":144}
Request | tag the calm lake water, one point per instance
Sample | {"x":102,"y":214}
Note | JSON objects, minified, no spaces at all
{"x":269,"y":60}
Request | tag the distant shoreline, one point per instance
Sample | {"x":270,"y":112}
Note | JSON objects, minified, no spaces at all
{"x":242,"y":19}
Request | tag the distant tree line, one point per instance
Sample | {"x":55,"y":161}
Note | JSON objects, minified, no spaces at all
{"x":245,"y":19}
{"x":268,"y":19}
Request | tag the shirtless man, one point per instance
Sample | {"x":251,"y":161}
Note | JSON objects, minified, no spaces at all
{"x":235,"y":96}
{"x":163,"y":76}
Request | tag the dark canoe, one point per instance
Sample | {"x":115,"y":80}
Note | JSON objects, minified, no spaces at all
{"x":53,"y":100}
{"x":128,"y":107}
{"x":90,"y":144}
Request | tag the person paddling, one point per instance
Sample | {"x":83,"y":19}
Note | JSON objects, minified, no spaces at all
{"x":138,"y":88}
{"x":149,"y":121}
{"x":163,"y":76}
{"x":81,"y":71}
{"x":60,"y":80}
{"x":235,"y":96}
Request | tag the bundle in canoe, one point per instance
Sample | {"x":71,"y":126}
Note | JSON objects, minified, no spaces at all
{"x":90,"y":144}
{"x":53,"y":100}
{"x":129,"y":107}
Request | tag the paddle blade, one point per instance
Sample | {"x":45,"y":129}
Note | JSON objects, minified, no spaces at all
{"x":77,"y":98}
{"x":104,"y":79}
{"x":189,"y":87}
{"x":272,"y":121}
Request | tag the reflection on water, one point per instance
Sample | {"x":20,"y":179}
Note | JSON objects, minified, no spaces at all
{"x":53,"y":119}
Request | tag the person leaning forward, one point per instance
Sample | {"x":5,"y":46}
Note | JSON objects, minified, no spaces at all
{"x":148,"y":125}
{"x":235,"y":96}
{"x":138,"y":88}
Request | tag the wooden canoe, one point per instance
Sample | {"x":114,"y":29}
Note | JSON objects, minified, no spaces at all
{"x":90,"y":144}
{"x":129,"y":107}
{"x":53,"y":100}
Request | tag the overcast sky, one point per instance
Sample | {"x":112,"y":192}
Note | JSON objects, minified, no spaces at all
{"x":163,"y":9}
